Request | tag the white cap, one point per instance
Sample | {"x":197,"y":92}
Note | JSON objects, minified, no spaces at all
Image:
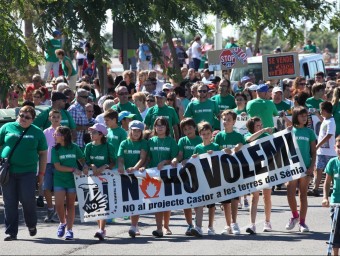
{"x":167,"y":86}
{"x":277,"y":89}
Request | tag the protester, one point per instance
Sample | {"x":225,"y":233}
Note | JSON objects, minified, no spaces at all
{"x":52,"y":61}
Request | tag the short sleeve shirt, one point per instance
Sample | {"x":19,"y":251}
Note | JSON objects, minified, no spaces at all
{"x":202,"y":111}
{"x":303,"y":137}
{"x":130,"y":151}
{"x":99,"y":155}
{"x":130,"y":107}
{"x":327,"y":127}
{"x":229,"y":140}
{"x":265,"y":109}
{"x":66,"y":119}
{"x":115,"y":137}
{"x":333,"y":169}
{"x":187,"y":146}
{"x":227,"y":102}
{"x":313,"y":103}
{"x":201,"y":149}
{"x":160,"y":149}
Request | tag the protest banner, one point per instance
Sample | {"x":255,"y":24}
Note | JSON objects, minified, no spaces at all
{"x":240,"y":125}
{"x":227,"y":59}
{"x":203,"y":180}
{"x":280,"y":66}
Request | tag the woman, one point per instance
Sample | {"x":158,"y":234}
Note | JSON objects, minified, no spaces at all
{"x":150,"y":101}
{"x":128,"y":77}
{"x":31,"y":150}
{"x":68,"y":69}
{"x":336,"y":110}
{"x":241,"y":103}
{"x":139,"y":99}
{"x":299,"y":85}
{"x":142,"y":76}
{"x":12,"y":99}
{"x":38,"y":97}
{"x":171,"y":100}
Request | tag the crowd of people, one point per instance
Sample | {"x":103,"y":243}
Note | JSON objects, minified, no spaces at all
{"x":84,"y":129}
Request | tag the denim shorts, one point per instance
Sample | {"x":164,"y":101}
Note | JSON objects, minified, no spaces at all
{"x":67,"y":190}
{"x":322,"y":160}
{"x":48,"y":177}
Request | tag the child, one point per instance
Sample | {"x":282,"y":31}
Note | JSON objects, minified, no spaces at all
{"x":306,"y":141}
{"x":64,"y":157}
{"x":124,"y":118}
{"x":131,"y":156}
{"x":230,"y":141}
{"x":161,"y":150}
{"x":326,"y":142}
{"x":55,"y":118}
{"x":205,"y":131}
{"x":99,"y":156}
{"x":115,"y":133}
{"x":256,"y":131}
{"x":186,"y":146}
{"x":332,"y":172}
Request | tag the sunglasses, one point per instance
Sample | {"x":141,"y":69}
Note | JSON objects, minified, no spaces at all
{"x":150,"y":100}
{"x":168,"y":99}
{"x":84,"y":97}
{"x":123,"y":93}
{"x":25,"y":116}
{"x":239,"y":100}
{"x":202,"y":91}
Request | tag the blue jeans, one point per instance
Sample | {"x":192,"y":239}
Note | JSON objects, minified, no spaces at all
{"x":21,"y":187}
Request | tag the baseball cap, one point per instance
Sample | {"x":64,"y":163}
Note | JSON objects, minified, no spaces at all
{"x":262,"y":88}
{"x":245,"y":78}
{"x":215,"y":79}
{"x":58,"y":96}
{"x":160,"y":94}
{"x":56,"y":33}
{"x":253,"y":87}
{"x":277,"y":89}
{"x":135,"y":124}
{"x":99,"y":128}
{"x":82,"y":92}
{"x":125,"y":114}
{"x":167,"y":86}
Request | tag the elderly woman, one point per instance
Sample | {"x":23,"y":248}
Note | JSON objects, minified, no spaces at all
{"x":139,"y":99}
{"x":31,"y":150}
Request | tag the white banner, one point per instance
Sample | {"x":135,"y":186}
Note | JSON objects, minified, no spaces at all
{"x":203,"y":180}
{"x":240,"y":125}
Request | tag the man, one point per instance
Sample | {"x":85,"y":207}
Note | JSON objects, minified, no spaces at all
{"x":318,"y":90}
{"x":52,"y":61}
{"x":231,"y":43}
{"x":161,"y":109}
{"x":319,"y":77}
{"x":196,"y":52}
{"x":150,"y":86}
{"x":309,"y":47}
{"x":69,"y":71}
{"x":77,"y":111}
{"x":224,"y":99}
{"x":287,"y":94}
{"x":277,"y":98}
{"x":124,"y":104}
{"x":261,"y":107}
{"x":37,"y":83}
{"x":207,"y":76}
{"x":203,"y":109}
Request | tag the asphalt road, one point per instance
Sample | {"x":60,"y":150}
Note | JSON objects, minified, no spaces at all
{"x":118,"y":242}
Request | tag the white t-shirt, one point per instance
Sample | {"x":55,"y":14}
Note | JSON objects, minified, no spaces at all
{"x":327,"y":127}
{"x":195,"y":53}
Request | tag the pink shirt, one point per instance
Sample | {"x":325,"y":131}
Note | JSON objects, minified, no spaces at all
{"x":50,"y":141}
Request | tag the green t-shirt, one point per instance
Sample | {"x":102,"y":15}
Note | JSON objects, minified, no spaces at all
{"x":248,"y":134}
{"x":230,"y":45}
{"x":65,"y":68}
{"x":25,"y":156}
{"x":226,"y":102}
{"x":132,"y":108}
{"x":265,"y":109}
{"x":160,"y":149}
{"x":185,"y":102}
{"x":229,"y":140}
{"x":130,"y":151}
{"x":239,"y":112}
{"x":202,"y":111}
{"x":333,"y":169}
{"x":201,"y":149}
{"x":187,"y":146}
{"x":115,"y":137}
{"x":51,"y":46}
{"x":304,"y":136}
{"x":309,"y":48}
{"x":99,"y":154}
{"x":168,"y":112}
{"x":66,"y":119}
{"x":313,"y":103}
{"x":336,"y":115}
{"x":66,"y":156}
{"x":282,"y":106}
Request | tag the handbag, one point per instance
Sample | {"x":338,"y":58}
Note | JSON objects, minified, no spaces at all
{"x":4,"y":163}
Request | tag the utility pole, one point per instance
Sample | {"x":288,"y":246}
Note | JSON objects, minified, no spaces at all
{"x":339,"y":37}
{"x":218,"y":40}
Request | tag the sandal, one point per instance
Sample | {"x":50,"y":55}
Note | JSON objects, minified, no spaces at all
{"x":168,"y":232}
{"x":157,"y":233}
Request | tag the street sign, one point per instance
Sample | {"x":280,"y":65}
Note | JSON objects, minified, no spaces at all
{"x":227,"y":59}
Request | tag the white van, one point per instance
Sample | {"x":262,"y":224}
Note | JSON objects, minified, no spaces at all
{"x":309,"y":65}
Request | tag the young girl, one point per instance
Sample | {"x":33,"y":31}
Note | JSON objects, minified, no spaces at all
{"x":306,"y":141}
{"x":256,"y":131}
{"x":99,"y":156}
{"x":131,"y":156}
{"x":161,"y":150}
{"x":205,"y":132}
{"x":64,"y":157}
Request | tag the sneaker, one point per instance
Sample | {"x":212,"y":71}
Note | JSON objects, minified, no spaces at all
{"x":197,"y":232}
{"x":267,"y":227}
{"x":246,"y":204}
{"x":32,"y":231}
{"x":239,"y":205}
{"x":50,"y":217}
{"x":40,"y":202}
{"x":188,"y":232}
{"x":313,"y":192}
{"x":226,"y":231}
{"x":126,"y":217}
{"x":251,"y":229}
{"x":303,"y":228}
{"x":132,"y":231}
{"x":157,"y":233}
{"x":211,"y":231}
{"x":10,"y":238}
{"x":61,"y":230}
{"x":235,"y":229}
{"x":69,"y":235}
{"x":100,"y":234}
{"x":291,"y":224}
